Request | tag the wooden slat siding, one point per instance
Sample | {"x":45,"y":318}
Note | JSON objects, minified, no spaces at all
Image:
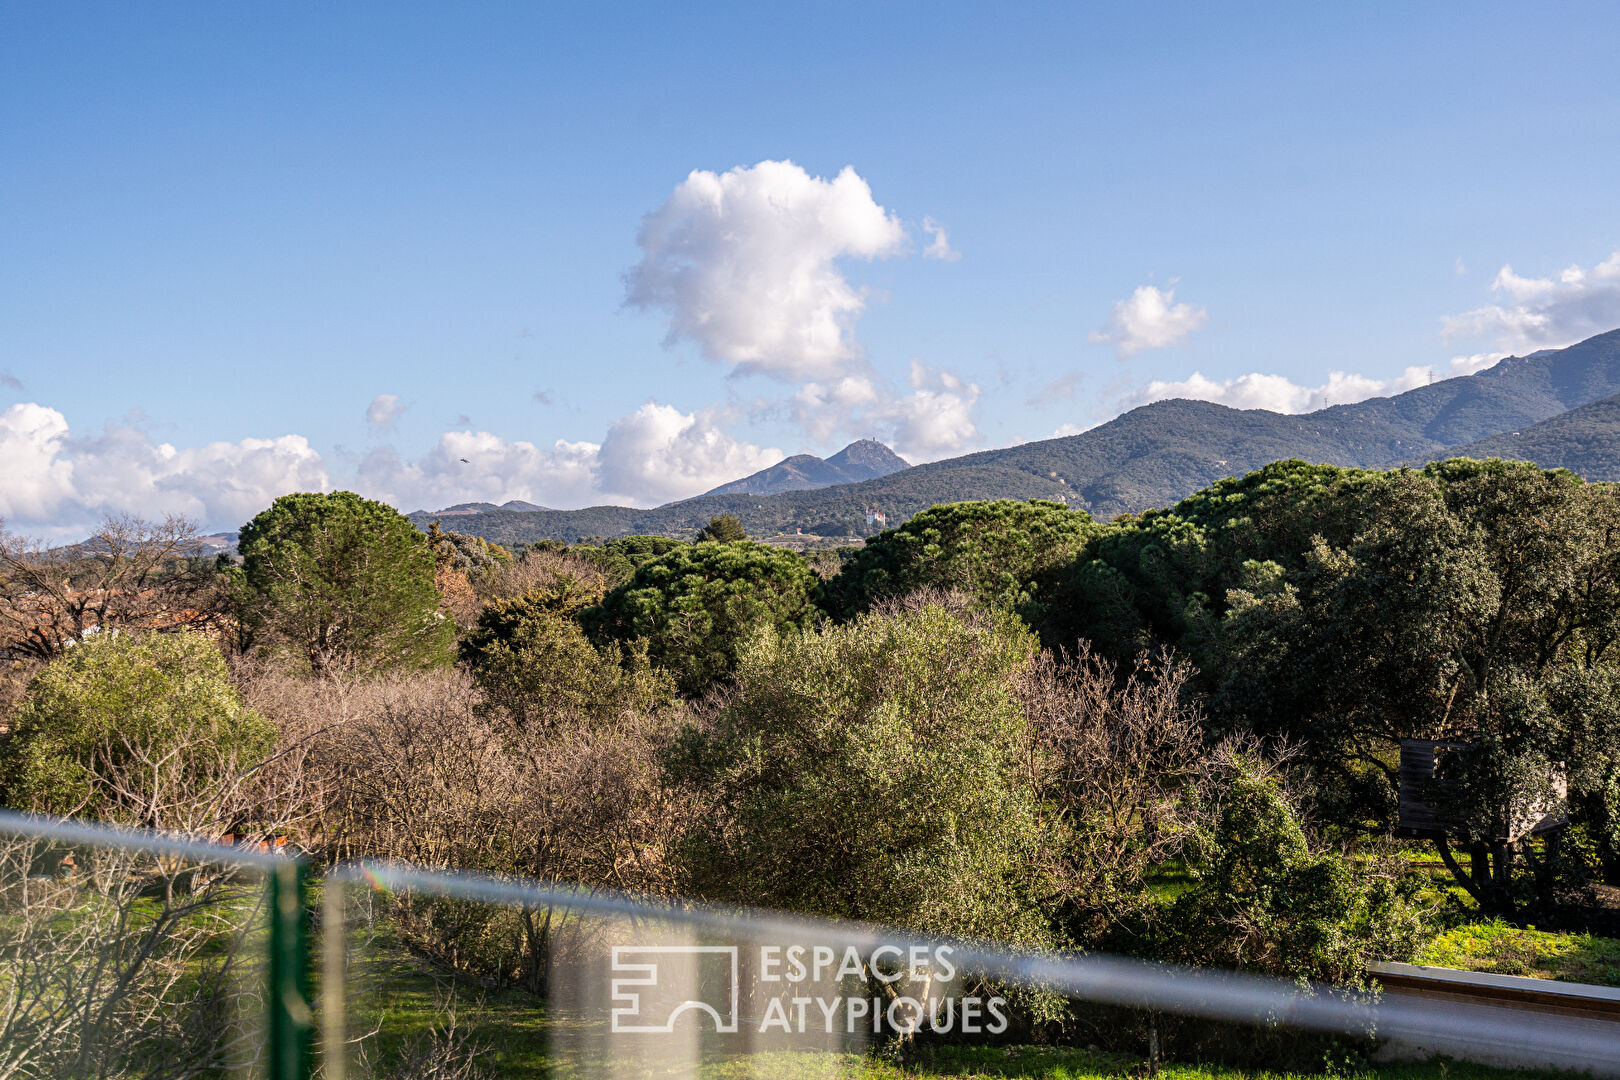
{"x":1420,"y":810}
{"x":1536,"y":995}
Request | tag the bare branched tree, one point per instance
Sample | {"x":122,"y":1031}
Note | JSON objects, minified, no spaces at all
{"x":130,"y":572}
{"x":539,"y":568}
{"x":1118,"y":755}
{"x":118,"y":963}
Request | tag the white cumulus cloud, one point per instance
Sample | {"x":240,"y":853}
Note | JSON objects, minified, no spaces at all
{"x":822,"y":409}
{"x":383,"y":411}
{"x":1545,"y":312}
{"x":658,"y":453}
{"x":1277,"y":393}
{"x":64,"y":483}
{"x":1471,"y":365}
{"x":654,"y":455}
{"x":37,"y":479}
{"x":1149,"y":319}
{"x":935,"y":419}
{"x":745,"y":264}
{"x":59,"y":484}
{"x":477,"y":466}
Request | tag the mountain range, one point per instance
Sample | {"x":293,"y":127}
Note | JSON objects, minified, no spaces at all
{"x":1556,"y":407}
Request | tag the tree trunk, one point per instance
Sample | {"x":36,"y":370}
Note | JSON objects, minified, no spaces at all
{"x":537,"y":964}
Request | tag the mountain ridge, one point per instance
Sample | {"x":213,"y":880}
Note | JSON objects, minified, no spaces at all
{"x":1153,"y":455}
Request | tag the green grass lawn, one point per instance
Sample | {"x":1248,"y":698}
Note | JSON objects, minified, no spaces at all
{"x":1506,"y":950}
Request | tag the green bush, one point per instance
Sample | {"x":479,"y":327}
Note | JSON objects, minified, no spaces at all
{"x":344,"y":581}
{"x":1262,"y":899}
{"x":997,"y":552}
{"x":620,"y":559}
{"x":128,"y":726}
{"x":696,"y":605}
{"x":724,"y":528}
{"x":876,"y":771}
{"x":530,"y":657}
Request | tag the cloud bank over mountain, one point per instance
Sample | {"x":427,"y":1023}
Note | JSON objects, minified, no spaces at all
{"x":1545,"y":312}
{"x":1278,"y":394}
{"x":60,"y":483}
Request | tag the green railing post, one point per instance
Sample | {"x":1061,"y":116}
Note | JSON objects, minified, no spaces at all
{"x":290,"y":1024}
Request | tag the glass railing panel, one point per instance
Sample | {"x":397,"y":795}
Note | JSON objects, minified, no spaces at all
{"x":128,"y":955}
{"x":448,"y":974}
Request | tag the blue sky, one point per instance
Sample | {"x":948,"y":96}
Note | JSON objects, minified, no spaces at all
{"x":254,"y":248}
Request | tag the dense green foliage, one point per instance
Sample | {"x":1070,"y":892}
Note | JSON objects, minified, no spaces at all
{"x":531,"y":659}
{"x":344,"y":581}
{"x":121,"y":725}
{"x":876,"y":771}
{"x":633,"y":551}
{"x":1262,"y":899}
{"x":997,"y":552}
{"x":723,"y":529}
{"x":697,"y":604}
{"x":1165,"y":577}
{"x":1345,"y":609}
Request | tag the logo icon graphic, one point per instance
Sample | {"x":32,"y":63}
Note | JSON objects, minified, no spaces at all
{"x":669,"y":974}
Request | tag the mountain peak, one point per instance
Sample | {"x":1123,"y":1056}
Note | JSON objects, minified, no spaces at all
{"x":865,"y":459}
{"x":869,"y":454}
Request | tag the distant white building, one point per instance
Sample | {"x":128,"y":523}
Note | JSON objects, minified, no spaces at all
{"x":877,"y":517}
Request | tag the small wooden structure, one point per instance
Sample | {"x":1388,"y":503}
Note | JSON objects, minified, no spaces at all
{"x":1423,"y":814}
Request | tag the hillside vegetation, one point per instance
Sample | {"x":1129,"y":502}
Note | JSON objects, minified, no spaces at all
{"x":1586,"y":441}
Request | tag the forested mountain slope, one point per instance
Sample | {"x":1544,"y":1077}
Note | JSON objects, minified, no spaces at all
{"x":1586,"y":441}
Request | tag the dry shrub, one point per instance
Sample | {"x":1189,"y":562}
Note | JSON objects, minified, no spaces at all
{"x":1119,"y":754}
{"x":117,"y":963}
{"x":456,"y":596}
{"x":412,"y":769}
{"x":541,"y":569}
{"x":14,"y":677}
{"x":596,"y":807}
{"x":420,"y":768}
